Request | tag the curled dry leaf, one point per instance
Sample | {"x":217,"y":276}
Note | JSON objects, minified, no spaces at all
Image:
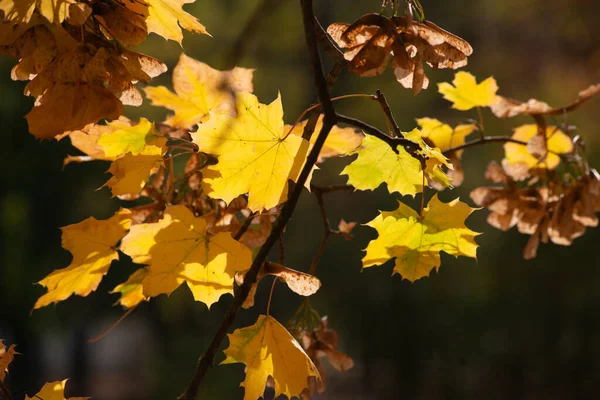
{"x":320,"y":343}
{"x":370,"y":41}
{"x":557,"y":212}
{"x":6,"y":357}
{"x":346,"y":228}
{"x":506,"y":108}
{"x":299,"y":282}
{"x":73,"y":84}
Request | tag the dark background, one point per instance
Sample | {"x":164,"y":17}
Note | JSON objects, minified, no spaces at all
{"x":497,"y":328}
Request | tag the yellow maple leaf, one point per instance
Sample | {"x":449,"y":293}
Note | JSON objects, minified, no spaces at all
{"x":54,"y":391}
{"x":6,"y":357}
{"x":466,"y":93}
{"x":131,"y":172}
{"x":124,"y":137}
{"x":198,"y":90}
{"x":178,"y":249}
{"x":416,"y":241}
{"x":21,"y":11}
{"x":166,"y":18}
{"x":557,"y":143}
{"x":132,"y":290}
{"x":442,"y":135}
{"x":92,"y":243}
{"x":377,"y":163}
{"x":256,"y":156}
{"x":340,"y":141}
{"x":268,"y":349}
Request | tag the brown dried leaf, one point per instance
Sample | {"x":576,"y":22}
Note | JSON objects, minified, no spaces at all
{"x":506,"y":108}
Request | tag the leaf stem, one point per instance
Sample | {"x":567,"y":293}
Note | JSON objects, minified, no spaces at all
{"x":271,"y":295}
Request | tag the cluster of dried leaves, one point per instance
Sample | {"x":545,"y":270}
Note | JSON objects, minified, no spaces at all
{"x":368,"y":42}
{"x":555,"y":210}
{"x":549,"y":205}
{"x":74,"y":53}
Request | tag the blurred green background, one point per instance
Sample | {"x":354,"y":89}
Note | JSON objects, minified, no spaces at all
{"x":497,"y":328}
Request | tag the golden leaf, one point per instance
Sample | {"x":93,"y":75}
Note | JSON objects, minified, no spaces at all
{"x":93,"y":246}
{"x":268,"y":350}
{"x":178,"y":249}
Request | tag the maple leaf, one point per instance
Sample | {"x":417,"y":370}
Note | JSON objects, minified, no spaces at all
{"x":123,"y":137}
{"x":269,"y":350}
{"x":178,"y":249}
{"x":92,"y":243}
{"x":132,"y":171}
{"x":54,"y":391}
{"x":378,"y":163}
{"x":556,"y":143}
{"x":339,"y":142}
{"x":256,"y":156}
{"x":442,"y":135}
{"x":466,"y":93}
{"x":68,"y":106}
{"x":166,"y":18}
{"x":6,"y":357}
{"x":198,"y":90}
{"x":21,"y":11}
{"x":132,"y":290}
{"x":76,"y":85}
{"x":416,"y":241}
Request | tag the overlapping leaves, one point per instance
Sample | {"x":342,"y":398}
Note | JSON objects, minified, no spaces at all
{"x":416,"y":241}
{"x":66,"y":49}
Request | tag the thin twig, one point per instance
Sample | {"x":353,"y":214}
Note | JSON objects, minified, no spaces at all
{"x":380,"y":97}
{"x":207,"y":359}
{"x":484,"y":140}
{"x":244,"y":228}
{"x":410,"y":146}
{"x":271,"y":295}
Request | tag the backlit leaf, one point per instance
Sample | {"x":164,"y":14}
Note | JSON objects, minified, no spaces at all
{"x":198,"y":90}
{"x":178,"y":249}
{"x":467,"y":93}
{"x":124,"y":137}
{"x":53,"y":391}
{"x":557,"y":143}
{"x":340,"y":141}
{"x":132,"y":291}
{"x":415,"y":242}
{"x":377,"y":163}
{"x":269,"y":350}
{"x":92,"y":243}
{"x":254,"y":154}
{"x":166,"y":18}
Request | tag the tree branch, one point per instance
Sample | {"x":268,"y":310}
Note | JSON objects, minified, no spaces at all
{"x":388,"y":112}
{"x":484,"y":140}
{"x":207,"y":359}
{"x":410,"y":146}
